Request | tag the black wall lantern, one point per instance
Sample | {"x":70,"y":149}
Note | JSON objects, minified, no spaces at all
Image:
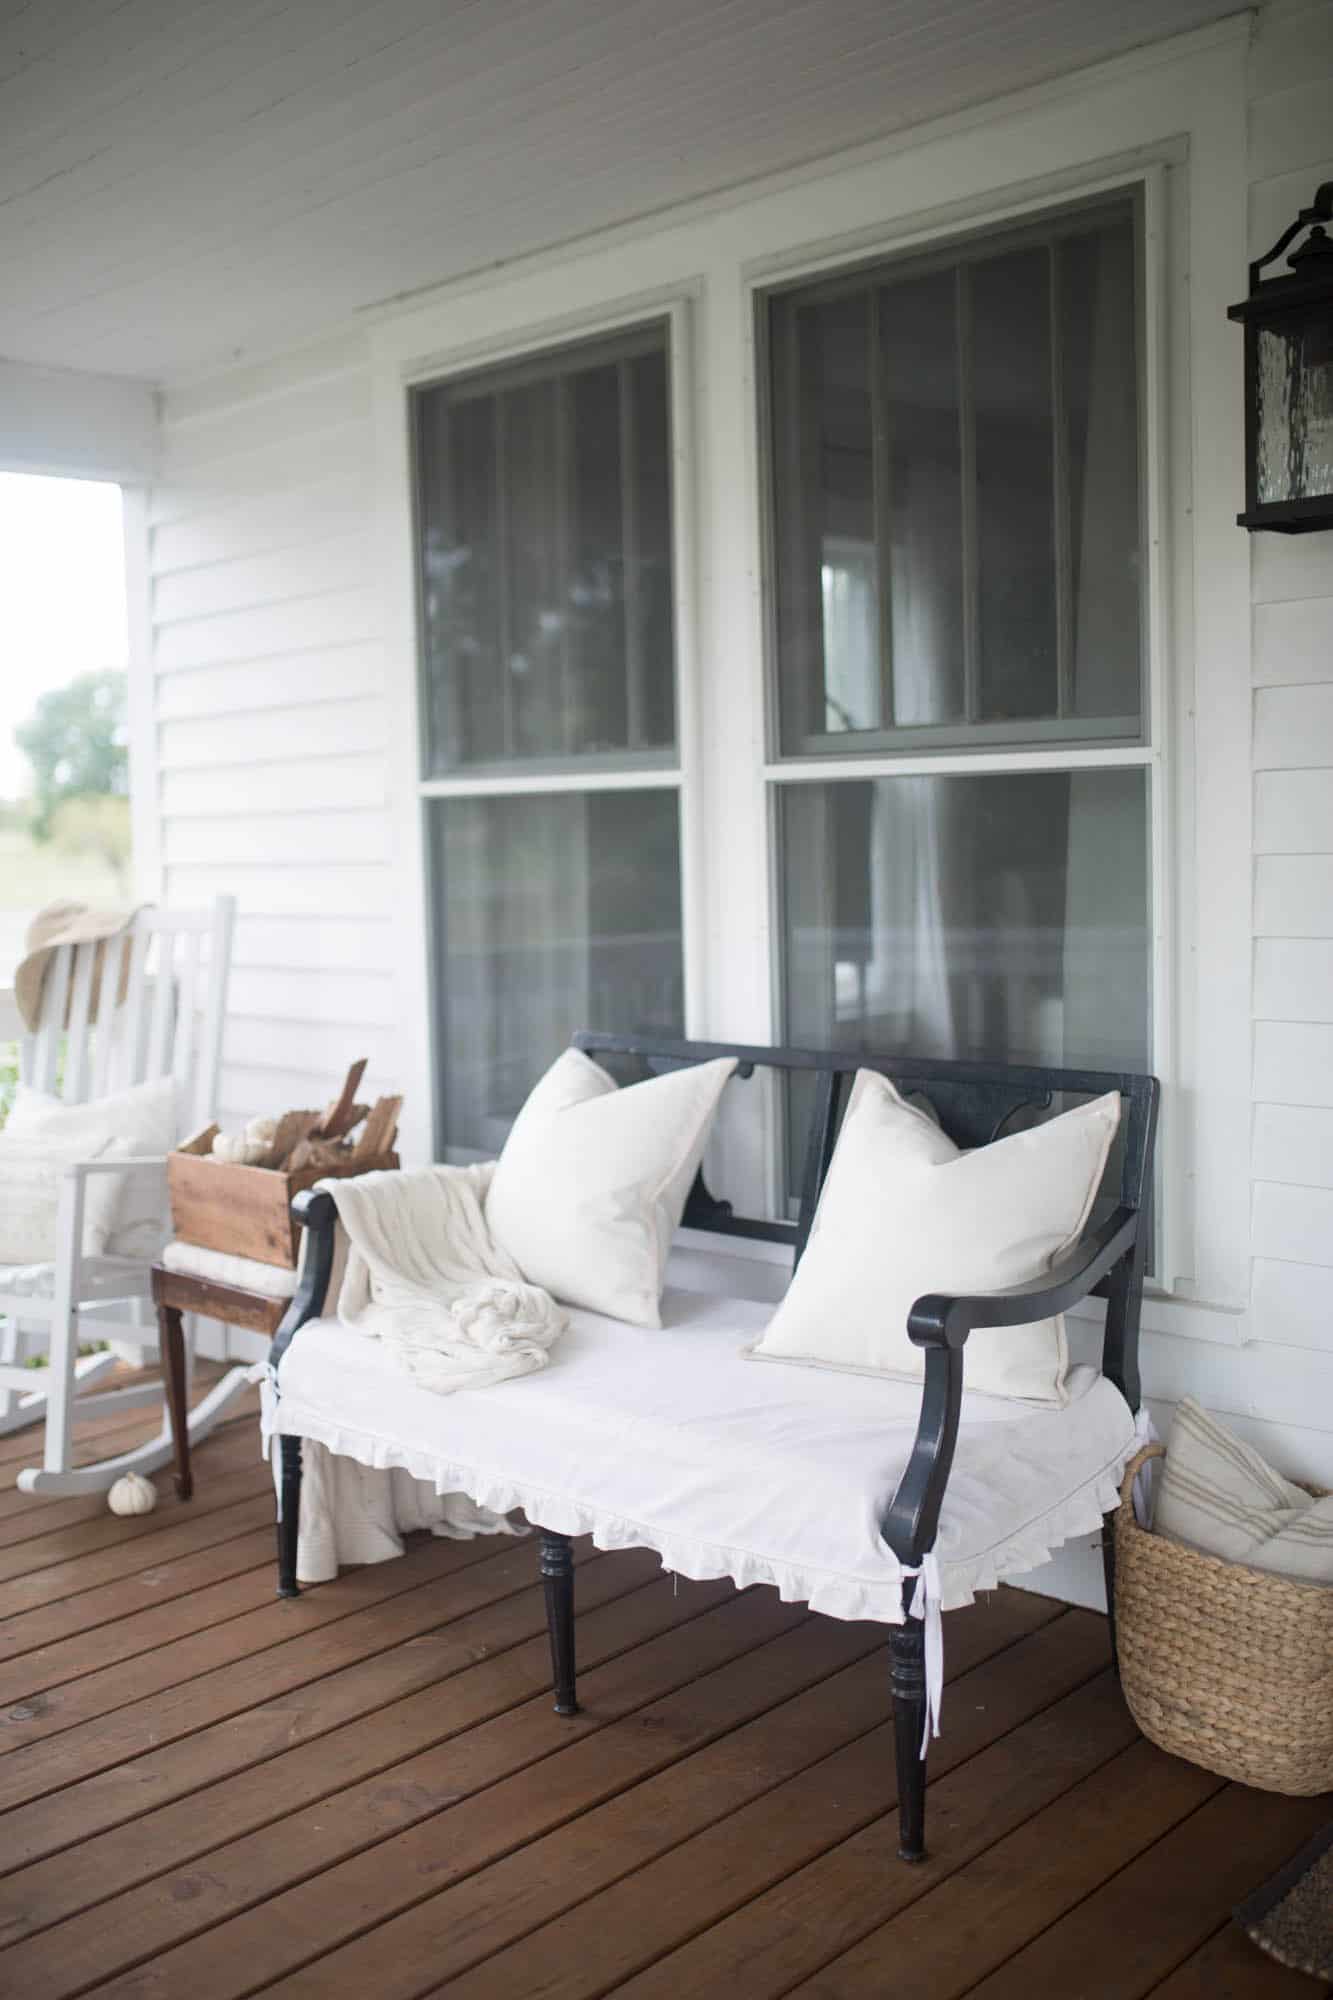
{"x":1288,"y":323}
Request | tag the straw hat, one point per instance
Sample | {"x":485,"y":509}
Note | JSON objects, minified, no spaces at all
{"x":68,"y":923}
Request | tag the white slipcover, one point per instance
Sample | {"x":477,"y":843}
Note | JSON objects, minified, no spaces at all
{"x":671,"y":1439}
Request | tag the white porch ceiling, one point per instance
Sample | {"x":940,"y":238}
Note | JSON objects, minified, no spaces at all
{"x":185,"y":182}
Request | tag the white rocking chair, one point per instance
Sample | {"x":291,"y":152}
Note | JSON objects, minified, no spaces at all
{"x":169,"y":1024}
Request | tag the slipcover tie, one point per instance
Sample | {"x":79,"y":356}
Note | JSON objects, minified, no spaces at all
{"x":927,"y":1597}
{"x":266,"y":1376}
{"x":1145,"y":1432}
{"x":927,"y":1601}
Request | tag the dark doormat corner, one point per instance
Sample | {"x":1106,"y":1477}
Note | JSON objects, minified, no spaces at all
{"x":1291,"y":1916}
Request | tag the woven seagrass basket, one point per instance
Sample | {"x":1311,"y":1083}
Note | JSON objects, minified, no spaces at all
{"x":1227,"y":1666}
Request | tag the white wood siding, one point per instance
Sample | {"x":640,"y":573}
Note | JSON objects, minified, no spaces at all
{"x":268,"y":672}
{"x":1290,"y":1323}
{"x":275,"y":739}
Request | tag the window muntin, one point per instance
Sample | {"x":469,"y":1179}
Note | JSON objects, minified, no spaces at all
{"x":545,"y":563}
{"x":955,"y":508}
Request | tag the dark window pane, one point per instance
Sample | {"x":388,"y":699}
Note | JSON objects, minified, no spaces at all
{"x":534,"y":430}
{"x":828,"y":591}
{"x":595,"y":713}
{"x":987,"y":916}
{"x":979,"y":917}
{"x":955,"y":503}
{"x":918,"y":335}
{"x":1098,"y":335}
{"x":648,"y":594}
{"x":460,"y":597}
{"x":546,"y":580}
{"x":553,"y":912}
{"x":1010,"y":333}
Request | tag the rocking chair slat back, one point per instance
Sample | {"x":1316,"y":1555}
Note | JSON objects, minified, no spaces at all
{"x":102,"y":1042}
{"x":169,"y":1022}
{"x":76,"y":1037}
{"x":128,"y":1067}
{"x":40,"y":1053}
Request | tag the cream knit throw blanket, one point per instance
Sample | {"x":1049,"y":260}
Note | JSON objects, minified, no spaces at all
{"x":424,"y":1276}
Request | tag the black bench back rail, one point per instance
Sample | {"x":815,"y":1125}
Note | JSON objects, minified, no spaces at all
{"x":974,"y":1102}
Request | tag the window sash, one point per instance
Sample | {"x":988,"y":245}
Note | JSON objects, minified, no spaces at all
{"x":442,"y":684}
{"x":870,"y":278}
{"x":663,"y":775}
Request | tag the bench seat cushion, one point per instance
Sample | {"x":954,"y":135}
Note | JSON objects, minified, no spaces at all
{"x":673,"y":1440}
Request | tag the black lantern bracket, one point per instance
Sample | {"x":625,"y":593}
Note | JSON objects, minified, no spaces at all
{"x":1289,"y":408}
{"x":1312,"y":218}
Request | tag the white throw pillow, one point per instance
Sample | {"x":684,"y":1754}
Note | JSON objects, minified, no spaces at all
{"x":589,"y":1189}
{"x":1219,"y":1495}
{"x":140,"y":1121}
{"x":904,"y":1212}
{"x":30,"y":1183}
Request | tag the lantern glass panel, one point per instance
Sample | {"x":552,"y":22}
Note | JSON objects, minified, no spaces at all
{"x":1293,"y":388}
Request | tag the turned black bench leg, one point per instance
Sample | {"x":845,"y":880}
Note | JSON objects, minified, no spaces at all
{"x":907,"y":1677}
{"x":555,"y":1560}
{"x":289,"y":1518}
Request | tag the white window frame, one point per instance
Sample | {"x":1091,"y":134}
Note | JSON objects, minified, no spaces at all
{"x":679,"y":775}
{"x":1167,"y":117}
{"x":1155,"y":756}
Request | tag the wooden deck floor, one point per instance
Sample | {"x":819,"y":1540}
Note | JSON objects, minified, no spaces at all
{"x":207,"y":1793}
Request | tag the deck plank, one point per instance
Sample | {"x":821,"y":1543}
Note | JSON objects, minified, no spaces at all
{"x":234,"y":1474}
{"x":29,"y":1514}
{"x":149,"y":1625}
{"x":122,"y":1557}
{"x":593,"y":1814}
{"x":480,"y":1840}
{"x":196,"y":1655}
{"x":391,"y":1640}
{"x":414,"y":1737}
{"x":648,"y":1625}
{"x":1229,"y":1967}
{"x":604,"y":1942}
{"x":1136,"y":1928}
{"x":103,"y":1436}
{"x":366,"y":1791}
{"x":84,"y":1613}
{"x":812,"y":1915}
{"x":1026,"y":1880}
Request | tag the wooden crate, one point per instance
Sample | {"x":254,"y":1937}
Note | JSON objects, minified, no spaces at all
{"x":247,"y":1211}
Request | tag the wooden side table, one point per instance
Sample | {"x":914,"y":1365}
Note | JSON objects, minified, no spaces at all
{"x":177,"y":1292}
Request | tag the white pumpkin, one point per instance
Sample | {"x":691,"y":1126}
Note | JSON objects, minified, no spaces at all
{"x":236,"y":1150}
{"x":262,"y":1131}
{"x":132,"y":1494}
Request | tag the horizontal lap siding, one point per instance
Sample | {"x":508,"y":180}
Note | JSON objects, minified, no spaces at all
{"x":273,"y":734}
{"x":270,"y":719}
{"x":1283,"y":1379}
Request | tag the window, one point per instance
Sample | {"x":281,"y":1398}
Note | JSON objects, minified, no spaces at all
{"x":954,"y":444}
{"x":545,"y":575}
{"x":545,"y":535}
{"x":957,"y":603}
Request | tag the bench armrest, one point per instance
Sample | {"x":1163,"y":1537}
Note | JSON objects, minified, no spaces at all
{"x":940,"y":1321}
{"x":318,"y":1214}
{"x":941,"y":1325}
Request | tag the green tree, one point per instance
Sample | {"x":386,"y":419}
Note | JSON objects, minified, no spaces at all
{"x":96,"y":824}
{"x":76,"y":742}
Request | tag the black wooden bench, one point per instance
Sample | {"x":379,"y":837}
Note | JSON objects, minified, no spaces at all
{"x":975,"y":1103}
